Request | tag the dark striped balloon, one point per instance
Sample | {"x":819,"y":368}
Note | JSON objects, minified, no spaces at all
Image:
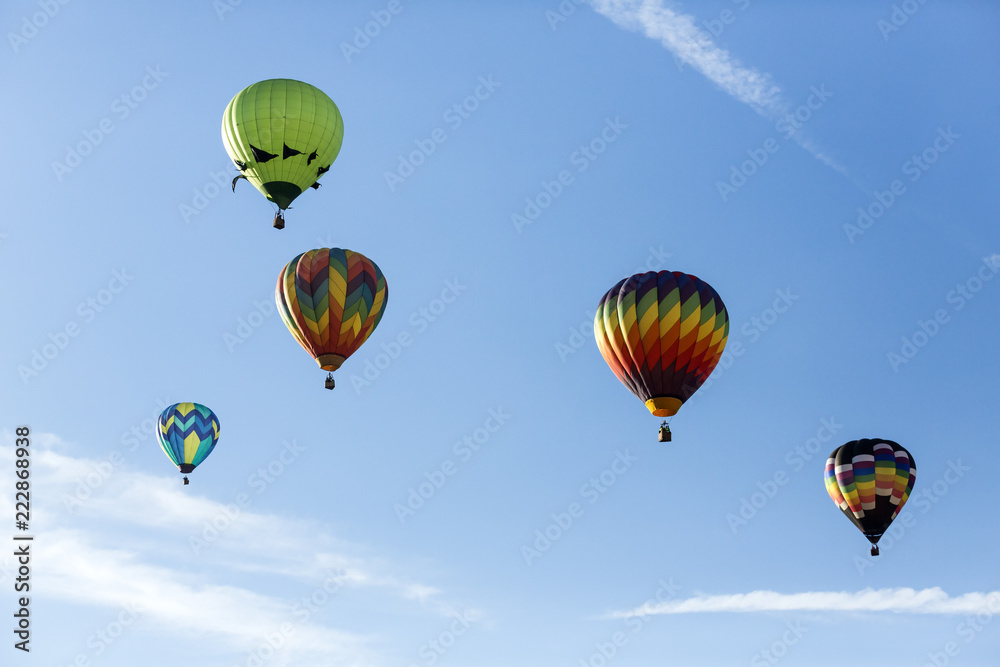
{"x":662,"y":334}
{"x":870,"y":480}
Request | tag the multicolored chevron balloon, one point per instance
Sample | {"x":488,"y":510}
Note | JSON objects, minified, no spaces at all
{"x":331,"y":300}
{"x":870,"y":481}
{"x":187,"y":433}
{"x":662,"y":334}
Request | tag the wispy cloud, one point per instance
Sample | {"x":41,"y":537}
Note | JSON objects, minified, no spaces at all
{"x":71,"y":567}
{"x":680,"y":35}
{"x":151,"y":521}
{"x":899,"y":600}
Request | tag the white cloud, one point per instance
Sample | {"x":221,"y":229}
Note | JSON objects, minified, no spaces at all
{"x":899,"y":600}
{"x":70,"y":567}
{"x":151,"y":521}
{"x":680,"y":35}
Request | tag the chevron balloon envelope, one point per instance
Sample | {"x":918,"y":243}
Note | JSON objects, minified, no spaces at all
{"x":870,"y":480}
{"x":187,"y":433}
{"x":662,"y":334}
{"x":331,"y":300}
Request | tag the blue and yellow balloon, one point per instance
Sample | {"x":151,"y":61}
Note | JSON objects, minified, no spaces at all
{"x":187,"y":433}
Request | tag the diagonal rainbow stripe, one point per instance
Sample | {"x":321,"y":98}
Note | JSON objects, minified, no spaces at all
{"x":662,"y":334}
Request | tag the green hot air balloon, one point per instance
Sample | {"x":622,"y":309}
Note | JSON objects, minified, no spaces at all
{"x":283,"y":135}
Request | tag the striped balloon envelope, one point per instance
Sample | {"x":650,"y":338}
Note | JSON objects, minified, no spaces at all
{"x":331,"y":300}
{"x":662,"y":334}
{"x":188,"y":432}
{"x":870,"y":480}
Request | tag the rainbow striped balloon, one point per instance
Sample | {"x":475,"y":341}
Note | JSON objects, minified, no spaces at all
{"x":662,"y":334}
{"x":188,"y":432}
{"x":331,"y":300}
{"x":870,"y":481}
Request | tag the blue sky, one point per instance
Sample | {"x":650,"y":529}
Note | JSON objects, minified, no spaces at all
{"x":671,"y":127}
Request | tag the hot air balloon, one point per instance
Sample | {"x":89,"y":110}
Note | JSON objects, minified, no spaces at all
{"x":187,"y":433}
{"x":662,"y":334}
{"x":870,"y":480}
{"x":331,"y":300}
{"x":283,"y":135}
